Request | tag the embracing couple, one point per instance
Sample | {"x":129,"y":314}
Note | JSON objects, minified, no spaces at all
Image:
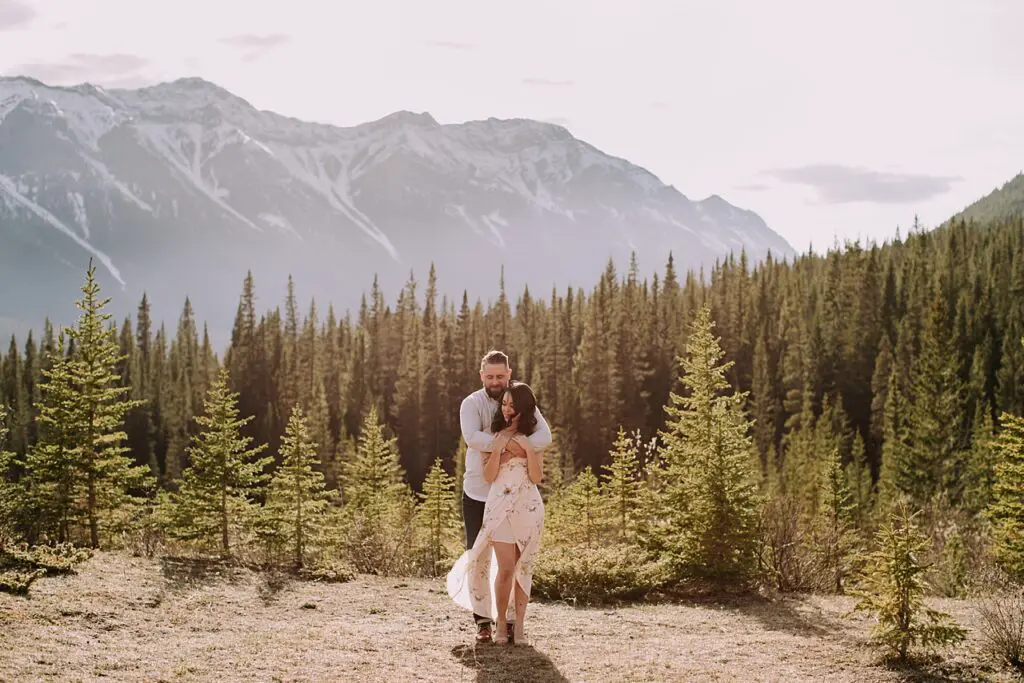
{"x":501,"y":504}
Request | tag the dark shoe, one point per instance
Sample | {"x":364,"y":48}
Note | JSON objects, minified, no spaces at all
{"x":483,"y":633}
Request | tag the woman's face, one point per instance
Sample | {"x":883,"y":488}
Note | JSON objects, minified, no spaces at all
{"x":507,"y":407}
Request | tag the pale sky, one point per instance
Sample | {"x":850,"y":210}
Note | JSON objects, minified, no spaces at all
{"x":830,"y":120}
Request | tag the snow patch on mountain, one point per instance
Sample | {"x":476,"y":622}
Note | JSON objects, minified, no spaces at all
{"x":187,"y":172}
{"x":9,"y":190}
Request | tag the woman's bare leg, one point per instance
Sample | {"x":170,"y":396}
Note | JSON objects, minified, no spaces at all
{"x":521,"y":601}
{"x":506,"y":554}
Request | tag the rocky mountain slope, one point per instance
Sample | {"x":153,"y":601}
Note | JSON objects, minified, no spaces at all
{"x":180,"y":188}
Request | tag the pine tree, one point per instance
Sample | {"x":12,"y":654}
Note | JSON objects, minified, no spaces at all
{"x":895,"y":475}
{"x":766,"y":406}
{"x":460,"y":465}
{"x":858,"y":481}
{"x":894,"y":586}
{"x":215,"y":496}
{"x":438,"y":518}
{"x":52,"y":484}
{"x":834,"y":538}
{"x":79,"y":472}
{"x":935,"y":420}
{"x":980,"y":475}
{"x":712,"y":487}
{"x":13,"y":384}
{"x":297,"y":501}
{"x":1007,"y":507}
{"x":578,"y":513}
{"x":378,"y":503}
{"x":10,"y":492}
{"x":621,"y":490}
{"x":107,"y":472}
{"x":556,"y":473}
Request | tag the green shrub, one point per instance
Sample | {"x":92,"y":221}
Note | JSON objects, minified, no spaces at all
{"x":50,"y":560}
{"x":596,"y":575}
{"x":18,"y":582}
{"x":328,"y":571}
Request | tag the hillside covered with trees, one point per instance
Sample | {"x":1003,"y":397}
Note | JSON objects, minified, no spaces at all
{"x":763,"y":423}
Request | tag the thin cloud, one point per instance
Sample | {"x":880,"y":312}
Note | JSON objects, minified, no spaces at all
{"x":248,"y":41}
{"x":15,"y":14}
{"x":838,"y":184}
{"x":449,"y":44}
{"x":752,"y":187}
{"x":255,"y":46}
{"x":78,"y":68}
{"x":547,"y":83}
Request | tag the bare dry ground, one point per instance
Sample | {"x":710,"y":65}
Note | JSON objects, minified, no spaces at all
{"x":131,"y":619}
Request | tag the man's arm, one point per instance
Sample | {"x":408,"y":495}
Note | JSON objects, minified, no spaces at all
{"x":471,"y":432}
{"x":541,"y":437}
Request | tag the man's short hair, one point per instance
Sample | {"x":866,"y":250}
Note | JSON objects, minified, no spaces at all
{"x":494,"y":358}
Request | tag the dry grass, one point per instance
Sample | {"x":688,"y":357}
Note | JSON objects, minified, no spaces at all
{"x":124,"y":618}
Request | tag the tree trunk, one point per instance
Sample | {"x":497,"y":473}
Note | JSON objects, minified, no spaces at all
{"x":224,"y":521}
{"x":94,"y":526}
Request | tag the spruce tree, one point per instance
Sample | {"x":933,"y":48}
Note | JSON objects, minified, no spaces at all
{"x":107,"y":473}
{"x":297,"y":500}
{"x":460,"y":465}
{"x":858,"y":481}
{"x":894,"y":588}
{"x":10,"y":492}
{"x":1007,"y":507}
{"x":621,"y":489}
{"x":378,"y":503}
{"x":834,"y":536}
{"x":438,"y":518}
{"x":217,"y":488}
{"x":556,"y":473}
{"x":578,"y":513}
{"x":935,"y":448}
{"x":78,"y":470}
{"x":713,"y":471}
{"x":52,"y":484}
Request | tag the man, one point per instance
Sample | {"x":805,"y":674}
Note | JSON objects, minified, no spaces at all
{"x":475,"y":416}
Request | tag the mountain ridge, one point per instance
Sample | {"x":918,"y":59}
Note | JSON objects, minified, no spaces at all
{"x":187,"y":173}
{"x":1001,"y":203}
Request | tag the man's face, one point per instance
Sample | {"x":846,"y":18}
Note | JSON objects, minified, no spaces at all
{"x":495,"y":378}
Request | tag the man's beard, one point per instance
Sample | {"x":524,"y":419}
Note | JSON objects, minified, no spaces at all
{"x":495,"y":393}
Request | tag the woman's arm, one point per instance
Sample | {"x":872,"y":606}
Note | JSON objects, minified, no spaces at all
{"x":534,"y":461}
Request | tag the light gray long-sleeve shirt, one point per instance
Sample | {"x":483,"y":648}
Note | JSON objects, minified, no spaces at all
{"x":475,"y":416}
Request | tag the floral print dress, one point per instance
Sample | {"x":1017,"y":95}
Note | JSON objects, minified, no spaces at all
{"x":515,"y":498}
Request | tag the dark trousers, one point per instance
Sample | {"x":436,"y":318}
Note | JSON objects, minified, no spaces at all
{"x":473,"y":518}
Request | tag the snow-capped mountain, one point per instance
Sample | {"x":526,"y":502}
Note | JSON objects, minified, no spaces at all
{"x":180,"y":188}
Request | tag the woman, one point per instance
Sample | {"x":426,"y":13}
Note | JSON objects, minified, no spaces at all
{"x":513,"y":520}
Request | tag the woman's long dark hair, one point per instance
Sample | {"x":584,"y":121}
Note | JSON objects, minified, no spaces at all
{"x":525,"y":404}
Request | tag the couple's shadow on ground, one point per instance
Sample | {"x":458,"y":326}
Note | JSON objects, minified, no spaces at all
{"x":499,"y":663}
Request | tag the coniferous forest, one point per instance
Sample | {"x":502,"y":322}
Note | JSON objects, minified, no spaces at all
{"x":772,"y":423}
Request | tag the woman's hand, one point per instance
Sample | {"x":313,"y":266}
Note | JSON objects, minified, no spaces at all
{"x":513,"y":426}
{"x":515,"y":449}
{"x":501,"y":440}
